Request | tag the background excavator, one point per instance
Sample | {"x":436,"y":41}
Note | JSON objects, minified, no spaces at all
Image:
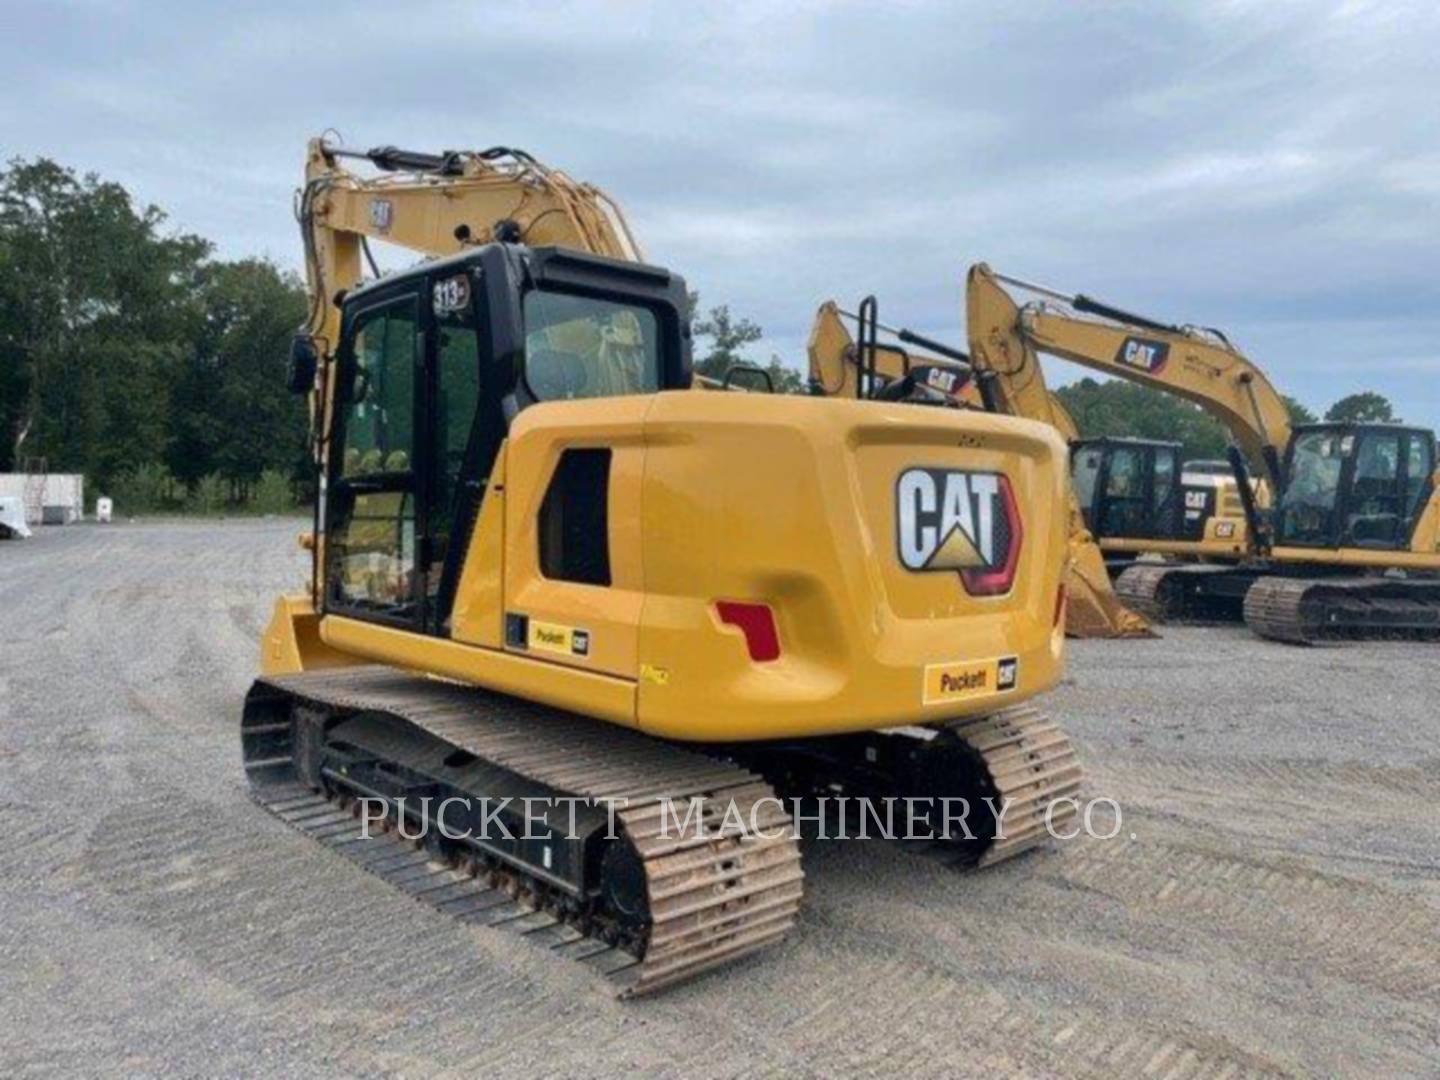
{"x":544,"y":568}
{"x":945,"y":377}
{"x":1350,"y":547}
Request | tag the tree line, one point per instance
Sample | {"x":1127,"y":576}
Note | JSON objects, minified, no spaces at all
{"x":1120,"y":408}
{"x":130,"y":353}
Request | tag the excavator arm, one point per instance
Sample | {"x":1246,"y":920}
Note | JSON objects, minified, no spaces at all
{"x":439,"y":204}
{"x":1200,"y":366}
{"x":434,"y":205}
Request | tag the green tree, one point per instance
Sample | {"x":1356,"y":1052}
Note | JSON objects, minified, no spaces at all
{"x":1118,"y":408}
{"x":95,"y":311}
{"x":208,"y":495}
{"x":728,"y":338}
{"x":232,"y":412}
{"x":1299,"y":414}
{"x":1364,"y":406}
{"x":124,"y":347}
{"x":273,"y":493}
{"x":148,"y":489}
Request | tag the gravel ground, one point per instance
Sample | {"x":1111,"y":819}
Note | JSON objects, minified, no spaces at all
{"x":1271,"y":905}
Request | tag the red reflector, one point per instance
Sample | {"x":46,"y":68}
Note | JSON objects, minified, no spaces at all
{"x":1059,"y":605}
{"x":757,"y":623}
{"x":998,"y":580}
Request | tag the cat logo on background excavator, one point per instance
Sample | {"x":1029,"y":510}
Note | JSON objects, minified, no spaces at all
{"x":1143,"y":354}
{"x":965,"y":522}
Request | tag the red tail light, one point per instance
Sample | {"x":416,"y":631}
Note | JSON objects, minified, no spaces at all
{"x":757,"y":623}
{"x":998,"y":580}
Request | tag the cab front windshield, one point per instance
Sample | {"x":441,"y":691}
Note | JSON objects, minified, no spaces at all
{"x":1307,"y":508}
{"x":586,"y":347}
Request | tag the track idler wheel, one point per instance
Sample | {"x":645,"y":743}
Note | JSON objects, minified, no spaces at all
{"x":623,"y":884}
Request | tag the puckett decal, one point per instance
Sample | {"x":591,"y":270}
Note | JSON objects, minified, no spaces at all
{"x":554,"y":638}
{"x":969,"y":678}
{"x":950,"y":519}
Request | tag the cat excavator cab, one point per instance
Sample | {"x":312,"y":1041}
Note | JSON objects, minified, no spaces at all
{"x":548,"y":573}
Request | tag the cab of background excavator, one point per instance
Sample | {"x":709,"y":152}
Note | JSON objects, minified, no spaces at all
{"x":1354,"y":485}
{"x":1128,"y":488}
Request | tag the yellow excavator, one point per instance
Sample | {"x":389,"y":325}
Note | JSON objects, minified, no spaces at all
{"x":1350,"y":547}
{"x":842,"y":367}
{"x":559,"y":599}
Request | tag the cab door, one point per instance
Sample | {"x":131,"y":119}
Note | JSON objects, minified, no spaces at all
{"x":1375,"y":505}
{"x":1125,"y":494}
{"x":462,"y":432}
{"x":373,"y":527}
{"x":411,"y":453}
{"x":1166,"y":497}
{"x":1086,"y":468}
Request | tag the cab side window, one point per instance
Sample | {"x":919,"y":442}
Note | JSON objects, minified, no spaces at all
{"x":1374,"y":513}
{"x":1085,"y":474}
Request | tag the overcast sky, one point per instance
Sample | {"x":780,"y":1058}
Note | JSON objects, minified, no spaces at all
{"x":1269,"y":168}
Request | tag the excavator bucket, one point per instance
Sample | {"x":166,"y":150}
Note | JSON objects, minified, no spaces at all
{"x":1092,"y":608}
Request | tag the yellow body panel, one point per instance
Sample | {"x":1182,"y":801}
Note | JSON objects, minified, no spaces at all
{"x":1225,"y":538}
{"x":292,"y":641}
{"x":610,"y":614}
{"x":477,"y":617}
{"x":1350,"y":556}
{"x":801,"y":515}
{"x":783,"y":500}
{"x":602,"y":696}
{"x":1093,"y":609}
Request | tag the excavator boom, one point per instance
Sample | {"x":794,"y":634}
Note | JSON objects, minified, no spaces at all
{"x":440,"y":204}
{"x":1198,"y":365}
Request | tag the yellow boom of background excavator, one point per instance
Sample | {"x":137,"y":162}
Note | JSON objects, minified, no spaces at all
{"x":544,"y":568}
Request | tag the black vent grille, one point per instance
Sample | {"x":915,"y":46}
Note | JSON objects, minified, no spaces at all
{"x":574,"y":522}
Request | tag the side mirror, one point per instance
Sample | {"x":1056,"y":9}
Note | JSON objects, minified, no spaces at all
{"x":304,"y":360}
